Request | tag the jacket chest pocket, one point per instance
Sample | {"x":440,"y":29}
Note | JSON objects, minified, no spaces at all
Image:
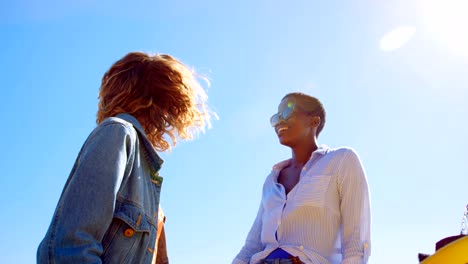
{"x":130,"y":238}
{"x":312,"y":191}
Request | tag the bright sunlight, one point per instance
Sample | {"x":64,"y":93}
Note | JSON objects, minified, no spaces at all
{"x":447,"y":22}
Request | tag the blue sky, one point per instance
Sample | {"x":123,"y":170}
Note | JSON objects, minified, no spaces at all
{"x":402,"y":109}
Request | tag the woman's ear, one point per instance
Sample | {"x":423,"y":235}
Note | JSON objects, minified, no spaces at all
{"x":315,"y":121}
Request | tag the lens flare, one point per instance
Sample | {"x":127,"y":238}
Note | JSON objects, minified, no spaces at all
{"x":397,"y":38}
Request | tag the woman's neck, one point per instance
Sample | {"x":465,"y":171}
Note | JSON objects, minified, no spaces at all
{"x":301,"y":154}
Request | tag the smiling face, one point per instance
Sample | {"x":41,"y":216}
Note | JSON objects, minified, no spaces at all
{"x":293,"y":125}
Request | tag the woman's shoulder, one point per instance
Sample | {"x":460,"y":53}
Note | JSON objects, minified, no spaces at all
{"x":342,"y":153}
{"x":114,"y":127}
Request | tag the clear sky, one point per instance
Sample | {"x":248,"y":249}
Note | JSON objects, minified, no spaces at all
{"x":391,"y":74}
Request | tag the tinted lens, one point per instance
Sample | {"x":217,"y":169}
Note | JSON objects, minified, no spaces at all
{"x":285,"y":114}
{"x":274,"y":119}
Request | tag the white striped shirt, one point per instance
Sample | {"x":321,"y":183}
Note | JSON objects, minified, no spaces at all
{"x":324,"y":219}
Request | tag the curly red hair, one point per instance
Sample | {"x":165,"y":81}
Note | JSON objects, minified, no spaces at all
{"x":161,"y":92}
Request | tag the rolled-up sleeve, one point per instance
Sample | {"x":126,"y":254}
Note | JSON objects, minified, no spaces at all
{"x":355,"y":210}
{"x":253,"y":243}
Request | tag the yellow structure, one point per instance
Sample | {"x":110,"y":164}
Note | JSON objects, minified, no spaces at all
{"x":452,"y":253}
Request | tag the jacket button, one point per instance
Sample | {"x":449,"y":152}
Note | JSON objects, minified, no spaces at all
{"x":129,"y":232}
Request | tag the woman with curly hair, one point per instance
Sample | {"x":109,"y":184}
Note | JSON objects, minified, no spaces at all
{"x":109,"y":208}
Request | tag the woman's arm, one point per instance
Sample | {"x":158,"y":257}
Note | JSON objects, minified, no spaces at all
{"x":355,"y":210}
{"x":86,"y":206}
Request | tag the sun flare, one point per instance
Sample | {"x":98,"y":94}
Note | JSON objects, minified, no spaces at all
{"x":396,"y":38}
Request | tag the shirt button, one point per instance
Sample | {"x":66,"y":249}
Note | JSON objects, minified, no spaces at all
{"x":301,"y":248}
{"x":129,"y":232}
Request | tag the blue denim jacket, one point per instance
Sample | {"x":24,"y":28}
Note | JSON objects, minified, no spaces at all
{"x":108,"y":209}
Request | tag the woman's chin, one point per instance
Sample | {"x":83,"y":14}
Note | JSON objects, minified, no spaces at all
{"x":284,"y":141}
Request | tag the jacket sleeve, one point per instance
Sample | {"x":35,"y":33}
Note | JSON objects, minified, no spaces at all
{"x":355,"y":210}
{"x":86,"y":206}
{"x":253,"y":243}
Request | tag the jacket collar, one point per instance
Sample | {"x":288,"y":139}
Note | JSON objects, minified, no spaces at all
{"x":150,"y":152}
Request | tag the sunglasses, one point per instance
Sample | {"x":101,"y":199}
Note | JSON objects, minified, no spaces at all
{"x":283,"y":115}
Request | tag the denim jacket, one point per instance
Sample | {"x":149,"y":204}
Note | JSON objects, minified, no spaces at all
{"x":108,"y":210}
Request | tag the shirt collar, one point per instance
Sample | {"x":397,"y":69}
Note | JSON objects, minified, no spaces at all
{"x":321,"y":150}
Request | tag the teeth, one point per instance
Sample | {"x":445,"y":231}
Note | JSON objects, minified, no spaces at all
{"x":281,"y":129}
